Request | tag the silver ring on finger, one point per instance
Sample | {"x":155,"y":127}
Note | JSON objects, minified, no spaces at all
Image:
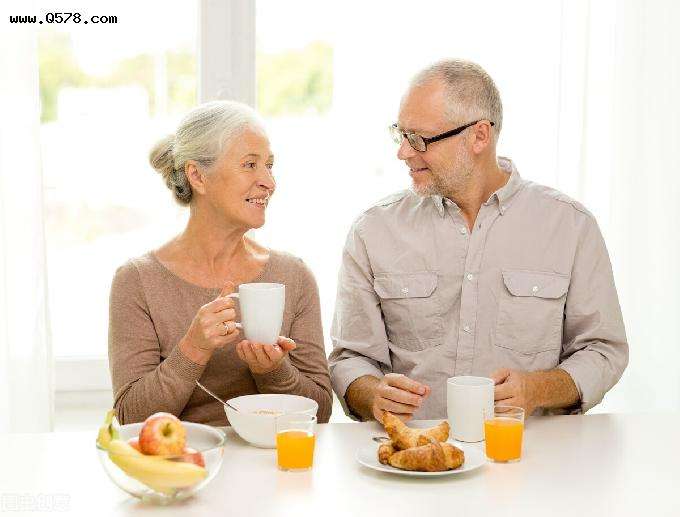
{"x":225,"y":324}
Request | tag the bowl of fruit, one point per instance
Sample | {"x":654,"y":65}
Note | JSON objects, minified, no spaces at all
{"x":162,"y":459}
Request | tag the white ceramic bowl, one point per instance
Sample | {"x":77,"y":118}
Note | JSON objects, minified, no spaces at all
{"x":260,"y":429}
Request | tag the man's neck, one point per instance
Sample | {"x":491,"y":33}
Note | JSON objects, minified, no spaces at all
{"x":485,"y":181}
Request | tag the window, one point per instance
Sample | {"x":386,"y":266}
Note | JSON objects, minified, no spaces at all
{"x":108,"y":92}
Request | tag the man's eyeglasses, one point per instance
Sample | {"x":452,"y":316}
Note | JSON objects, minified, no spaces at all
{"x":420,"y":143}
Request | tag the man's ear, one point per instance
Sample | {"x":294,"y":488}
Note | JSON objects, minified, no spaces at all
{"x":195,"y":176}
{"x":482,"y":137}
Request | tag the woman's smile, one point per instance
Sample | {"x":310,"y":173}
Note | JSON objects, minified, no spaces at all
{"x":259,"y":203}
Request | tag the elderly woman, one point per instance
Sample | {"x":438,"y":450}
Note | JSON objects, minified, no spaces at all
{"x":170,"y":321}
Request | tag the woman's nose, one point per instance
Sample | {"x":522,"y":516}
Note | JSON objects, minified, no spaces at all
{"x":266,"y":180}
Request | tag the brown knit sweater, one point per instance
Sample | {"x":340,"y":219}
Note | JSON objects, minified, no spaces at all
{"x":151,"y":309}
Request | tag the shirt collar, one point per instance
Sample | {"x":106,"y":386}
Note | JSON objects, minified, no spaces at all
{"x":506,"y":194}
{"x":438,"y":204}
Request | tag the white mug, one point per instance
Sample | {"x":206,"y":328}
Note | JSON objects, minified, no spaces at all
{"x":261,"y":311}
{"x":467,"y":400}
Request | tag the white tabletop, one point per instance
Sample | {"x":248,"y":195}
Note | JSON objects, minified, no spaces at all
{"x":572,"y":465}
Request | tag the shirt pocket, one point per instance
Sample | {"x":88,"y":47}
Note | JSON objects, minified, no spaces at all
{"x":531,"y":311}
{"x":411,"y":309}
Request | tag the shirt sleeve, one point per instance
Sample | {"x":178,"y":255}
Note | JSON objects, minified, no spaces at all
{"x":305,"y":371}
{"x":594,"y":348}
{"x":360,"y":344}
{"x":143,"y":383}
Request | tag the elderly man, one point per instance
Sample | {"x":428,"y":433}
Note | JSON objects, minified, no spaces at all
{"x":475,"y":271}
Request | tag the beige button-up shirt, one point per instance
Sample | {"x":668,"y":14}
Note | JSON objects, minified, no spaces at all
{"x":530,"y":288}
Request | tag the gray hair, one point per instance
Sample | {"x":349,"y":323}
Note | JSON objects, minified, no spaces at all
{"x":472,"y":93}
{"x":203,"y":134}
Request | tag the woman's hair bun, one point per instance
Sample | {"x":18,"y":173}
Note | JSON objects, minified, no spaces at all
{"x":162,"y":159}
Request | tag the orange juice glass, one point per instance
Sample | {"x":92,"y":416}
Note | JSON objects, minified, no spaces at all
{"x":295,"y":437}
{"x":503,"y":430}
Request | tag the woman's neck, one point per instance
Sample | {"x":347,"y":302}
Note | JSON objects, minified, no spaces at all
{"x":210,"y":243}
{"x":209,"y":254}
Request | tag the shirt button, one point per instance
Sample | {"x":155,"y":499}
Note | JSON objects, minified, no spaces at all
{"x":534,"y":289}
{"x":463,"y":231}
{"x":405,"y":290}
{"x":470,"y":277}
{"x":466,"y":328}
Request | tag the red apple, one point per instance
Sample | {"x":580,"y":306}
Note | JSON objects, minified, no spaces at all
{"x":162,"y":434}
{"x":134,"y":442}
{"x":192,"y":456}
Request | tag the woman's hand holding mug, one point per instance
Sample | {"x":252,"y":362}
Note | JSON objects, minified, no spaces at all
{"x":212,"y":328}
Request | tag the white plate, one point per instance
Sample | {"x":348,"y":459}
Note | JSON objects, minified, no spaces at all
{"x":474,"y":458}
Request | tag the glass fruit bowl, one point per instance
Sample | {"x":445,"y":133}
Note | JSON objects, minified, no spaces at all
{"x":161,"y":479}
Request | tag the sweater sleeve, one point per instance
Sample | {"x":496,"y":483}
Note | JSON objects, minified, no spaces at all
{"x":305,"y":371}
{"x":143,"y":383}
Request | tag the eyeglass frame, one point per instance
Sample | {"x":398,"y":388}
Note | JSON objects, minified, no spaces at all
{"x":427,"y":141}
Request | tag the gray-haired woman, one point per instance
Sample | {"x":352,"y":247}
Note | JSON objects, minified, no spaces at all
{"x":170,"y":322}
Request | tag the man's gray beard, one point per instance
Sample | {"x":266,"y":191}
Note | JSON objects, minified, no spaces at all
{"x":452,"y":184}
{"x":427,"y":190}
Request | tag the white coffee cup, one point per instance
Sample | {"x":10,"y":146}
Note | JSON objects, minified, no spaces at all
{"x":261,"y":311}
{"x":467,"y":399}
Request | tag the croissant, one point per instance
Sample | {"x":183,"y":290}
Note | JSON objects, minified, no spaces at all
{"x":433,"y":457}
{"x":403,"y":437}
{"x":453,"y":456}
{"x":385,"y":451}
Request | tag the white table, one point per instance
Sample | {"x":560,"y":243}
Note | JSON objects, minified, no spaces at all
{"x":572,"y":465}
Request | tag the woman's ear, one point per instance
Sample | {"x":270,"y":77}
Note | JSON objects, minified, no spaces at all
{"x":195,"y":176}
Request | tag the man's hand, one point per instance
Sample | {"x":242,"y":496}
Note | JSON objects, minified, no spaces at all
{"x":515,"y":388}
{"x":399,"y":395}
{"x":550,"y":389}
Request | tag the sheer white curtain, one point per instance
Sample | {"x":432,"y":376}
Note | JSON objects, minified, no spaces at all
{"x":25,"y":362}
{"x":619,"y":130}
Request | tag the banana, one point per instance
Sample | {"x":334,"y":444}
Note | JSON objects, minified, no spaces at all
{"x":108,"y":431}
{"x":157,"y":473}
